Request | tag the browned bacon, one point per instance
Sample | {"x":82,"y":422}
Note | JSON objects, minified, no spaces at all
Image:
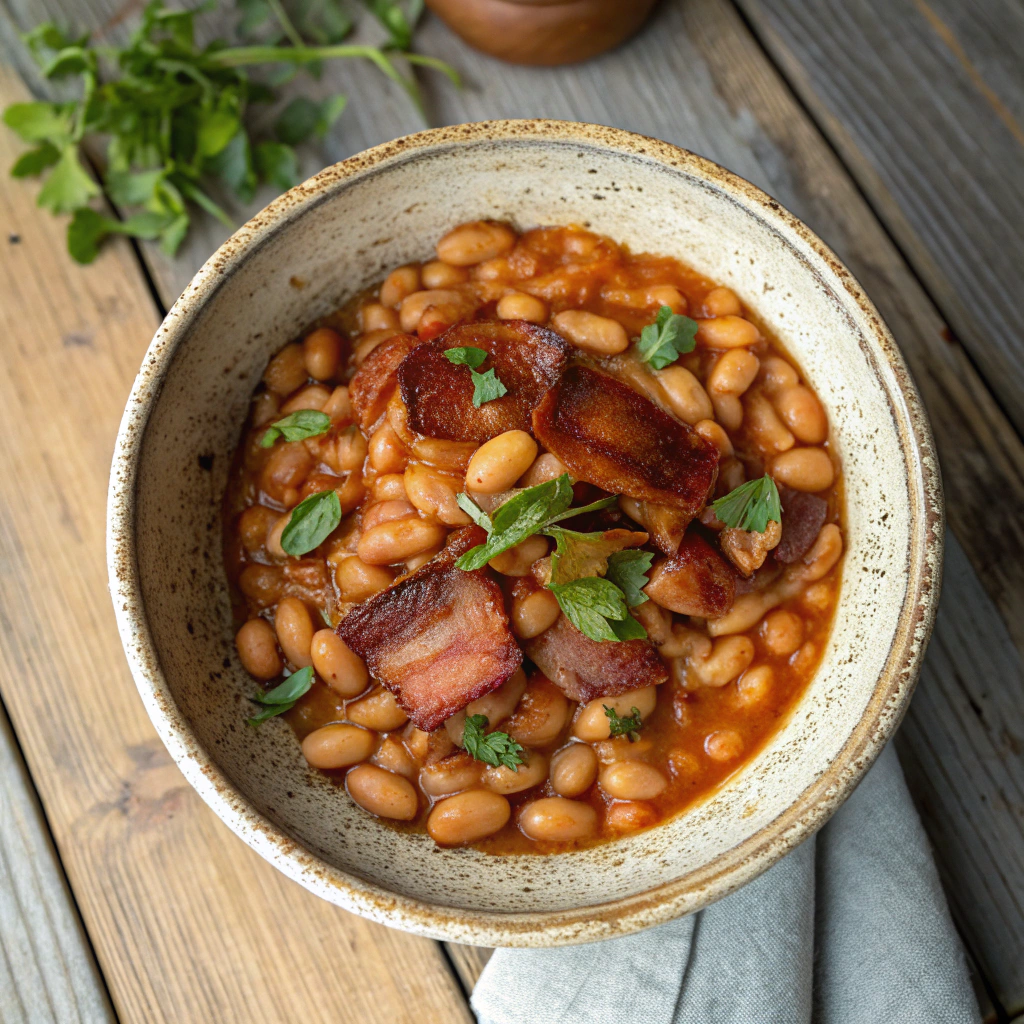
{"x":437,"y":639}
{"x":374,"y":382}
{"x":609,"y":435}
{"x":526,"y":358}
{"x":584,"y":669}
{"x":694,"y":581}
{"x":803,"y":516}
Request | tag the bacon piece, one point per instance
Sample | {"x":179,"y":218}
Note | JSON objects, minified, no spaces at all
{"x":374,"y":382}
{"x":438,"y":638}
{"x":666,"y":525}
{"x":584,"y":669}
{"x":803,"y":516}
{"x":694,"y":581}
{"x":610,"y":435}
{"x":526,"y":358}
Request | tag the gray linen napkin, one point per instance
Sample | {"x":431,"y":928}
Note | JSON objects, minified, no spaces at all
{"x":851,"y":928}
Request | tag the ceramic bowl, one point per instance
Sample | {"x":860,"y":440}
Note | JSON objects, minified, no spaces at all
{"x":333,"y":236}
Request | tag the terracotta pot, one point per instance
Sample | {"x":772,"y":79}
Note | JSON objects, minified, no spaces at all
{"x":543,"y":31}
{"x":338,"y":233}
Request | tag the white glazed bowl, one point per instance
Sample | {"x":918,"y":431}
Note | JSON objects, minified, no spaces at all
{"x":339,"y":232}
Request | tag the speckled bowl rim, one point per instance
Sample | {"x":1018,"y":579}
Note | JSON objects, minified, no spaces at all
{"x":739,"y":865}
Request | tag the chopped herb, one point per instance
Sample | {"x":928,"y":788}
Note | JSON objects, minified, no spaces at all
{"x":174,"y":113}
{"x":297,"y":426}
{"x":466,"y":355}
{"x":670,"y":336}
{"x":311,"y":522}
{"x":628,"y":571}
{"x":584,"y":554}
{"x":486,"y":387}
{"x":624,"y":725}
{"x":494,"y":748}
{"x":596,"y":607}
{"x":282,"y":698}
{"x":751,"y":506}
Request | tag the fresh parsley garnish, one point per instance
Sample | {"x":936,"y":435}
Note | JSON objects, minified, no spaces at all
{"x":297,"y":426}
{"x":530,"y":511}
{"x":282,"y":698}
{"x":597,"y":608}
{"x":175,"y":113}
{"x":624,"y":725}
{"x":670,"y":336}
{"x":493,"y":748}
{"x":590,"y":554}
{"x":486,"y":386}
{"x":311,"y":522}
{"x":628,"y":571}
{"x":751,"y":506}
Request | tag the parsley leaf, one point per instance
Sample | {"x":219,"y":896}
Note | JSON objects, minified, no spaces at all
{"x":670,"y":336}
{"x":751,"y":506}
{"x":466,"y":355}
{"x":282,"y":698}
{"x":624,"y":725}
{"x":297,"y":426}
{"x":493,"y":748}
{"x":311,"y":522}
{"x":628,"y":571}
{"x":486,"y":387}
{"x":589,"y":603}
{"x":584,"y":554}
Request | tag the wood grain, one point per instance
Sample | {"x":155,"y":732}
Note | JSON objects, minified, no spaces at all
{"x":188,"y":923}
{"x":924,"y":100}
{"x":727,"y":101}
{"x":47,"y":970}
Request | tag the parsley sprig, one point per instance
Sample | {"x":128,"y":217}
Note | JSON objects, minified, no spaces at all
{"x":282,"y":698}
{"x":311,"y":522}
{"x":174,"y":114}
{"x":486,"y":386}
{"x":624,"y":725}
{"x":594,"y":582}
{"x":670,"y":336}
{"x":297,"y":426}
{"x":751,"y":506}
{"x":493,"y":748}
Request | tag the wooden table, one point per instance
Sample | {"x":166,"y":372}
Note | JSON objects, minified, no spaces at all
{"x":893,"y":127}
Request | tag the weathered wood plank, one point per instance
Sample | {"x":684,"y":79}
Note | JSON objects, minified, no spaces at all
{"x":728,"y":102}
{"x":924,"y":100}
{"x":468,"y":961}
{"x":187,"y":922}
{"x":47,"y":969}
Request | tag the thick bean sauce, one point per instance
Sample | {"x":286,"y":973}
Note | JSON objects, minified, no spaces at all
{"x":732,"y":678}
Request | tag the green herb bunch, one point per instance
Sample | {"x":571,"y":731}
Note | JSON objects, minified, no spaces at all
{"x":174,"y":113}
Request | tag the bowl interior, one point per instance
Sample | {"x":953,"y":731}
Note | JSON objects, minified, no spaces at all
{"x":337,"y":235}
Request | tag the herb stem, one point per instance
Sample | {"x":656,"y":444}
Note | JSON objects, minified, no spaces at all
{"x":285,"y":22}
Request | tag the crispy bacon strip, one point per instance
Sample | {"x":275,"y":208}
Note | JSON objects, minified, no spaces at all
{"x":694,"y":581}
{"x":608,"y":434}
{"x":584,"y":669}
{"x":526,"y":358}
{"x":374,"y":382}
{"x":437,"y":639}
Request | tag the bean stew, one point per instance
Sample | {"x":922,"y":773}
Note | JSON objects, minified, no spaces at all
{"x":534,"y":544}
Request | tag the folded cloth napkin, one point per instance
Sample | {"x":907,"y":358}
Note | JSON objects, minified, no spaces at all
{"x":851,"y":928}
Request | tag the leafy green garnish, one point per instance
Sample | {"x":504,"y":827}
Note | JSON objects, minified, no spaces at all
{"x":751,"y":506}
{"x":466,"y":355}
{"x":297,"y":426}
{"x":670,"y":336}
{"x":584,"y":554}
{"x":628,"y":571}
{"x":530,"y":511}
{"x":486,"y":386}
{"x":174,"y":113}
{"x":311,"y":522}
{"x":595,"y":607}
{"x":282,"y":698}
{"x":494,"y":748}
{"x":624,"y":725}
